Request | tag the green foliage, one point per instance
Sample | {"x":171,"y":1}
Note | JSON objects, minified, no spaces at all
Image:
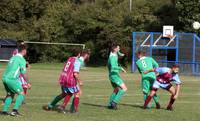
{"x":188,"y":12}
{"x":96,"y":23}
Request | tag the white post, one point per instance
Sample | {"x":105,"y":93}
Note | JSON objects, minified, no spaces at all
{"x":130,"y":5}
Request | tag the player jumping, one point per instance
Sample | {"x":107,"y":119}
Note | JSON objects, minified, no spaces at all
{"x":165,"y":77}
{"x":143,"y":64}
{"x":116,"y":81}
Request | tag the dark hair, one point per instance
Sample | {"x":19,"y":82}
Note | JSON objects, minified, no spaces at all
{"x":175,"y":66}
{"x":141,"y":52}
{"x":76,"y":51}
{"x":114,"y":45}
{"x":21,"y":48}
{"x":20,"y":41}
{"x":85,"y":51}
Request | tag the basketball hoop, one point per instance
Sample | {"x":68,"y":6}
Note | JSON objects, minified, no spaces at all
{"x":168,"y":31}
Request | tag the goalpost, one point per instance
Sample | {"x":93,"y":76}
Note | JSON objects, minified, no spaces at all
{"x":49,"y":43}
{"x":31,"y":44}
{"x":51,"y":51}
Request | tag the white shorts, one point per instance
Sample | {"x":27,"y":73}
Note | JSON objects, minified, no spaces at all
{"x":157,"y":85}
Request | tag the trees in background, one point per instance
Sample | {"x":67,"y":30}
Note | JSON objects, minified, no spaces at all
{"x":96,"y":23}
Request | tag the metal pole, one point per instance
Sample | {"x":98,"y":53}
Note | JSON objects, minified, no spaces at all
{"x":130,"y":5}
{"x":133,"y":50}
{"x":193,"y":54}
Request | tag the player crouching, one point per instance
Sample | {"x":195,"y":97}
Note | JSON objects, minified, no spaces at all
{"x":165,"y":76}
{"x":70,"y":81}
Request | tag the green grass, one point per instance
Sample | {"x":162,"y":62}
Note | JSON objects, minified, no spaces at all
{"x":96,"y":91}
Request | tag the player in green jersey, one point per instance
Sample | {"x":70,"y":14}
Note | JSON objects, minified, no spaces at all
{"x":15,"y":67}
{"x":116,"y":81}
{"x":143,"y":64}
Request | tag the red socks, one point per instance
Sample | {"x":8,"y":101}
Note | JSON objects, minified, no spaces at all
{"x":171,"y":102}
{"x":76,"y":103}
{"x":66,"y":100}
{"x":147,"y":101}
{"x":25,"y":90}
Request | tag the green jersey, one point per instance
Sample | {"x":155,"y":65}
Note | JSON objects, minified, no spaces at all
{"x":15,"y":67}
{"x":113,"y":65}
{"x":144,"y":64}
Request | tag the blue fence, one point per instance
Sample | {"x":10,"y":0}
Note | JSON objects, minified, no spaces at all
{"x":184,"y":50}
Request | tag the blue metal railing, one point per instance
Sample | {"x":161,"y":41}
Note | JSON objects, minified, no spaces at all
{"x":193,"y":64}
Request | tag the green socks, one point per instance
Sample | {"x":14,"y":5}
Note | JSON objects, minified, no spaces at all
{"x":18,"y":102}
{"x":7,"y":104}
{"x":111,"y":98}
{"x":55,"y":101}
{"x":145,"y":96}
{"x":118,"y":96}
{"x":155,"y":98}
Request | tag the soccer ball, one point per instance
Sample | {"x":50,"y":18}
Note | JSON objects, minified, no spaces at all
{"x":196,"y":25}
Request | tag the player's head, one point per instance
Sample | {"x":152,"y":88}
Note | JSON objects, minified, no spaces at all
{"x":140,"y":53}
{"x":115,"y":48}
{"x":76,"y":52}
{"x":22,"y":49}
{"x":175,"y":69}
{"x":85,"y":54}
{"x":20,"y":42}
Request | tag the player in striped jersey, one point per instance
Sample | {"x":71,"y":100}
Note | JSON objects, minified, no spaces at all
{"x":70,"y":81}
{"x":165,"y":77}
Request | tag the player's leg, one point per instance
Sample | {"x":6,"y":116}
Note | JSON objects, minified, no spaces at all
{"x":66,"y":100}
{"x":152,"y":93}
{"x":145,"y":89}
{"x":155,"y":97}
{"x":112,"y":96}
{"x":172,"y":90}
{"x":56,"y":100}
{"x":75,"y":104}
{"x":8,"y":100}
{"x":72,"y":105}
{"x":18,"y":103}
{"x":155,"y":87}
{"x":121,"y":91}
{"x":16,"y":88}
{"x":76,"y":91}
{"x":59,"y":97}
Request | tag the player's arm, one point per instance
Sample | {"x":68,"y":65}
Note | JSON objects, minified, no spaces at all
{"x":114,"y":66}
{"x":24,"y":74}
{"x":139,"y":70}
{"x":77,"y":67}
{"x":150,"y":70}
{"x":177,"y":81}
{"x":77,"y":77}
{"x":120,"y":54}
{"x":155,"y":64}
{"x":178,"y":86}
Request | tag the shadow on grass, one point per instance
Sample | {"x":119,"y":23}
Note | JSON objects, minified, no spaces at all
{"x":141,"y":106}
{"x":122,"y":104}
{"x":132,"y":105}
{"x":95,"y":105}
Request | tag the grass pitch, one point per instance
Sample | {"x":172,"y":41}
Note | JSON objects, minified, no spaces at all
{"x":96,"y":91}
